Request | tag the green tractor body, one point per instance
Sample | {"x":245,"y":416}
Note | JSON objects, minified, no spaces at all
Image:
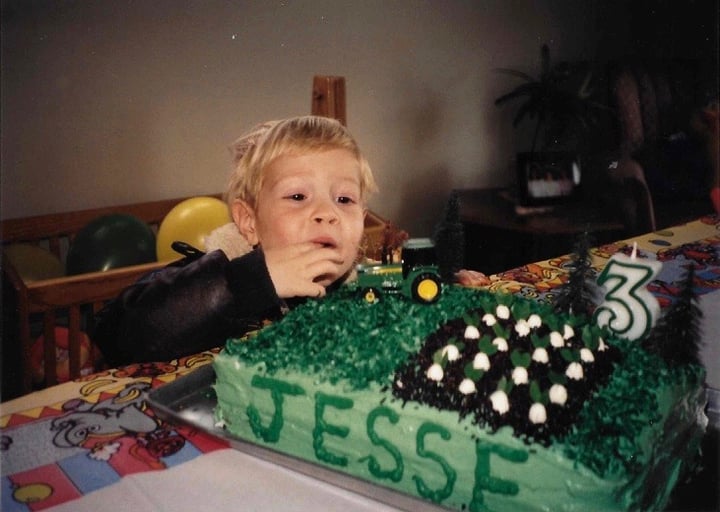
{"x":417,"y":277}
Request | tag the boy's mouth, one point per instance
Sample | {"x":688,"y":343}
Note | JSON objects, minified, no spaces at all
{"x":325,"y":242}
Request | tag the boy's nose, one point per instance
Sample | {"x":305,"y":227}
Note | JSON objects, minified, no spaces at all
{"x":325,"y":213}
{"x":328,"y":217}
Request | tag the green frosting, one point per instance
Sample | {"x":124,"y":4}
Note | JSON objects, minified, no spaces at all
{"x":608,"y":437}
{"x":322,"y":427}
{"x":436,"y":495}
{"x":277,"y":389}
{"x":317,"y":385}
{"x":483,"y":476}
{"x":396,"y":473}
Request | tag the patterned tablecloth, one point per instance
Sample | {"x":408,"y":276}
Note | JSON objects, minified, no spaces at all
{"x":65,"y":442}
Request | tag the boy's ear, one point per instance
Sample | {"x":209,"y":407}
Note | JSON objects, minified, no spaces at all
{"x":244,"y":217}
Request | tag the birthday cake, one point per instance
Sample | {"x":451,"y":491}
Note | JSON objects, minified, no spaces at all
{"x":479,"y":401}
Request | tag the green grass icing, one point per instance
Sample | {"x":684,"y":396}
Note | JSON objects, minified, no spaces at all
{"x":341,"y":337}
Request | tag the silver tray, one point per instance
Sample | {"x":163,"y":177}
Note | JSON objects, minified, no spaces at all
{"x":191,"y":400}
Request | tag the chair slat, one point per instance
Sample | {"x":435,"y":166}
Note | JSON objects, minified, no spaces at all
{"x":49,"y":344}
{"x":74,"y":351}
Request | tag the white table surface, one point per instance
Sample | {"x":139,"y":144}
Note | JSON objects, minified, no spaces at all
{"x":223,"y":480}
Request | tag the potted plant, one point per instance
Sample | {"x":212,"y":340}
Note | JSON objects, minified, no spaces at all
{"x":562,"y":103}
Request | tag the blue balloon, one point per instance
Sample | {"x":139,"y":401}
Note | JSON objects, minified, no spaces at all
{"x":111,"y":241}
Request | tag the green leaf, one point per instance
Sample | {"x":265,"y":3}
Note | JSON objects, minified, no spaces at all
{"x":557,"y":378}
{"x":505,"y":299}
{"x":521,"y":310}
{"x":487,"y":303}
{"x":536,"y":394}
{"x":454,"y":341}
{"x":540,"y":341}
{"x":554,"y":322}
{"x":590,"y":337}
{"x":486,"y":345}
{"x":500,"y":331}
{"x":571,"y":356}
{"x":439,"y":357}
{"x":471,"y":318}
{"x":520,"y":358}
{"x":473,"y":374}
{"x":505,"y":385}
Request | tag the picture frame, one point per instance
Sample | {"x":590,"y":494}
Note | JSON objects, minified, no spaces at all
{"x":547,"y":177}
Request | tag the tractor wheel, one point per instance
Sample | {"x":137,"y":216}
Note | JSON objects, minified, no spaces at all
{"x":426,"y":288}
{"x":370,"y":295}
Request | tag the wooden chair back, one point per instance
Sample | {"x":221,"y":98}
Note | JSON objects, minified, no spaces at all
{"x":328,"y":97}
{"x":68,"y":296}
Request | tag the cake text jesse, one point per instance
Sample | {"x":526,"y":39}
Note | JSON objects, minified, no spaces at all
{"x":483,"y":481}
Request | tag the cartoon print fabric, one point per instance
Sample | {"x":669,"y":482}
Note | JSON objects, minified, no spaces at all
{"x":101,"y":433}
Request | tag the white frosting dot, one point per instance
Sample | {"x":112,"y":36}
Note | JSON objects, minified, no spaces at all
{"x":534,"y":321}
{"x":489,"y":319}
{"x":467,"y":386}
{"x":568,"y":332}
{"x":520,"y":375}
{"x":451,"y":352}
{"x":574,"y":371}
{"x":435,"y":372}
{"x":556,"y":339}
{"x":540,"y":355}
{"x":537,"y":413}
{"x":558,"y":394}
{"x":502,"y":311}
{"x":602,"y":347}
{"x":481,"y":361}
{"x":522,"y":328}
{"x":500,"y":401}
{"x":501,"y":344}
{"x":472,"y":332}
{"x":586,"y":355}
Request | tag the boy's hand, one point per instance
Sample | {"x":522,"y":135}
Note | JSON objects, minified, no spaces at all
{"x":303,"y":270}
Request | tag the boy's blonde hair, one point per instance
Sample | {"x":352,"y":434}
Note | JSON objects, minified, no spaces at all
{"x":254,"y":151}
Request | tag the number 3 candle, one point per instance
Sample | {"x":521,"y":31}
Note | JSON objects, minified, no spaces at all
{"x":629,"y":309}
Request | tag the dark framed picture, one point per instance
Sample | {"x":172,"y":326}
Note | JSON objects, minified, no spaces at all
{"x":546,"y":178}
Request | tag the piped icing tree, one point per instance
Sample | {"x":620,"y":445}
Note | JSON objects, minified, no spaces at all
{"x":676,"y":337}
{"x":577,"y":296}
{"x":450,"y":240}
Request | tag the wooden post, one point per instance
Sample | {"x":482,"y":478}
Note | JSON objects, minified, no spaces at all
{"x":328,"y":97}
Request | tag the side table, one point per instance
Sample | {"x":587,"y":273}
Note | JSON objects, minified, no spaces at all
{"x":497,"y":238}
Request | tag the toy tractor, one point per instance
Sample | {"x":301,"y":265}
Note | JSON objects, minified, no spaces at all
{"x":416,"y":277}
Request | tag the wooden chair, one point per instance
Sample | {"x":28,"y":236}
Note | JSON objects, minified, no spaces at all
{"x":66,"y":296}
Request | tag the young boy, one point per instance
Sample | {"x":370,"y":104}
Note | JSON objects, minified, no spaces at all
{"x":298,"y":199}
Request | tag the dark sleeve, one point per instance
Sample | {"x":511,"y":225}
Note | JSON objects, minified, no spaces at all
{"x":184,"y":310}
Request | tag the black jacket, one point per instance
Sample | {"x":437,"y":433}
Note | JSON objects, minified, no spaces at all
{"x":186,"y":308}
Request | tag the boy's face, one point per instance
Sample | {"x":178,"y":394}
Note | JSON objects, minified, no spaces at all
{"x":315,"y":198}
